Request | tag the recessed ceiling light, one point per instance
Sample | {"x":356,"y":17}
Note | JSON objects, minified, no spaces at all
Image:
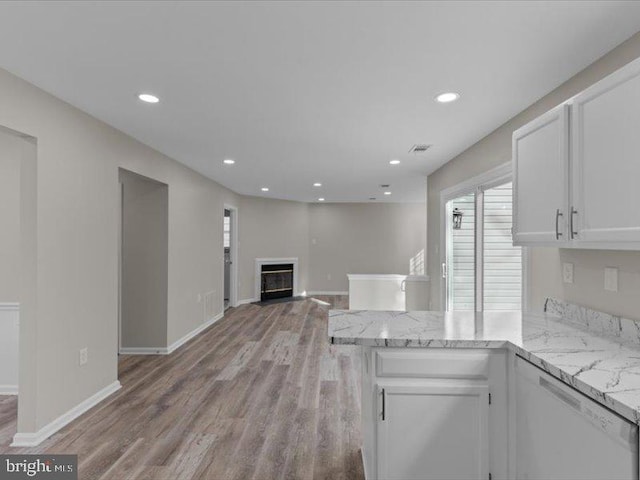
{"x":447,"y":97}
{"x":387,"y":193}
{"x":148,"y":98}
{"x":394,"y":162}
{"x":321,"y":199}
{"x":264,"y":189}
{"x":317,"y":184}
{"x":228,"y":161}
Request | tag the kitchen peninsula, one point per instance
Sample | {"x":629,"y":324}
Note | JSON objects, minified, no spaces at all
{"x":460,"y":389}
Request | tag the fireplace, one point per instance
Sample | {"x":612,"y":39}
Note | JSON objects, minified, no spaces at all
{"x":273,"y":264}
{"x":276,"y":281}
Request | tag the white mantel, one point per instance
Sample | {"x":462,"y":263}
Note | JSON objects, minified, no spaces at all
{"x":274,"y":261}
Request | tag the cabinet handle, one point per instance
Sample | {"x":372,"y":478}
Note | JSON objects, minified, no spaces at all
{"x":573,"y":232}
{"x":384,"y":415}
{"x":558,"y":232}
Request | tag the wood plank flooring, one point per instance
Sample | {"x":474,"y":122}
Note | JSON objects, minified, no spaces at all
{"x":259,"y":395}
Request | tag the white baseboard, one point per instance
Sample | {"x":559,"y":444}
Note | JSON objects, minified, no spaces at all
{"x":144,"y":350}
{"x":175,"y":345}
{"x":8,"y":389}
{"x":34,"y":439}
{"x":247,"y":300}
{"x":309,"y":294}
{"x":178,"y":343}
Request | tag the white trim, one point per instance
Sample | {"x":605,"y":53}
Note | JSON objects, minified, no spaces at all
{"x":388,"y":276}
{"x":526,"y":281}
{"x":175,"y":345}
{"x":274,"y":261}
{"x":9,"y":307}
{"x":34,"y":439}
{"x":488,"y":178}
{"x":327,"y":293}
{"x":244,"y":301}
{"x":8,"y":389}
{"x":178,"y":343}
{"x":144,"y":350}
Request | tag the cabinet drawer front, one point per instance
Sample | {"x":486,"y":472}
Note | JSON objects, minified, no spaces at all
{"x":432,"y":364}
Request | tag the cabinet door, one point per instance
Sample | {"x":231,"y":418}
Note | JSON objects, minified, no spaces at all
{"x":432,"y":432}
{"x":541,"y":179}
{"x":606,"y":159}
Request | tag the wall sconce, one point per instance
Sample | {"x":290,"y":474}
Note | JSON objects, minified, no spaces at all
{"x":457,"y":219}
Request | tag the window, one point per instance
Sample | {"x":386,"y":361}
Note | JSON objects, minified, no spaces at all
{"x":482,"y":270}
{"x":227,"y":232}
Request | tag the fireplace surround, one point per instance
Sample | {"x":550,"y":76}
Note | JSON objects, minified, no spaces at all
{"x":275,"y":278}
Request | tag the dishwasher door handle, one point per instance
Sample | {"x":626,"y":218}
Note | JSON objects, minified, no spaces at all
{"x":561,"y":394}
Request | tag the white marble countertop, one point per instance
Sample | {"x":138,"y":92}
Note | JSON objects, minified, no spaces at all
{"x":605,"y":369}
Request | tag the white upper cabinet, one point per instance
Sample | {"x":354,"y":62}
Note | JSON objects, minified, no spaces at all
{"x":541,"y":179}
{"x":606,"y":159}
{"x":577,"y":167}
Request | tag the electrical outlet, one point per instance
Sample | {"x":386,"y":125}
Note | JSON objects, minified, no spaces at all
{"x":611,"y":279}
{"x":199,"y":298}
{"x":84,"y":356}
{"x":314,"y":241}
{"x":567,"y":272}
{"x":328,"y":276}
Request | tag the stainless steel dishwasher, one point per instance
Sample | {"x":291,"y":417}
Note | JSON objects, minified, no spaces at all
{"x":563,"y":435}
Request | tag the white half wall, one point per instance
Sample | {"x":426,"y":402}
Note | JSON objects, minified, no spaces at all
{"x":9,"y":339}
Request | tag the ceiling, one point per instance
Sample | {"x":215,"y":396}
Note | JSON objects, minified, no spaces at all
{"x":298,"y":93}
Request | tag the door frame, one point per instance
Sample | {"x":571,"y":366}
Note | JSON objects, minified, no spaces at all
{"x":478,"y":184}
{"x":233,"y":251}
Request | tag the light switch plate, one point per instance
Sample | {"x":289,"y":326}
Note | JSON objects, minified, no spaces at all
{"x":567,"y":272}
{"x":611,"y":279}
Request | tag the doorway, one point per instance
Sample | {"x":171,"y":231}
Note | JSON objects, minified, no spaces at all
{"x":230,"y":253}
{"x":18,"y":257}
{"x":143,"y":273}
{"x":481,"y":269}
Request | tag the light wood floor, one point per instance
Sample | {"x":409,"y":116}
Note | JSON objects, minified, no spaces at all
{"x":259,"y":395}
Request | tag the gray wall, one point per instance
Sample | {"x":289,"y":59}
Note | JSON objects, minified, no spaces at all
{"x":10,"y":158}
{"x":271,"y":228}
{"x":330,"y":240}
{"x":545,"y":273}
{"x":144,"y":273}
{"x":70,"y":270}
{"x":362,"y":238}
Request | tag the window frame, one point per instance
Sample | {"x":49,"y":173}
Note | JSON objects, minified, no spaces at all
{"x":476,"y":185}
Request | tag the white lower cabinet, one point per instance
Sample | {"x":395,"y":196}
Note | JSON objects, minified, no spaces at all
{"x":437,"y":431}
{"x":434,"y":414}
